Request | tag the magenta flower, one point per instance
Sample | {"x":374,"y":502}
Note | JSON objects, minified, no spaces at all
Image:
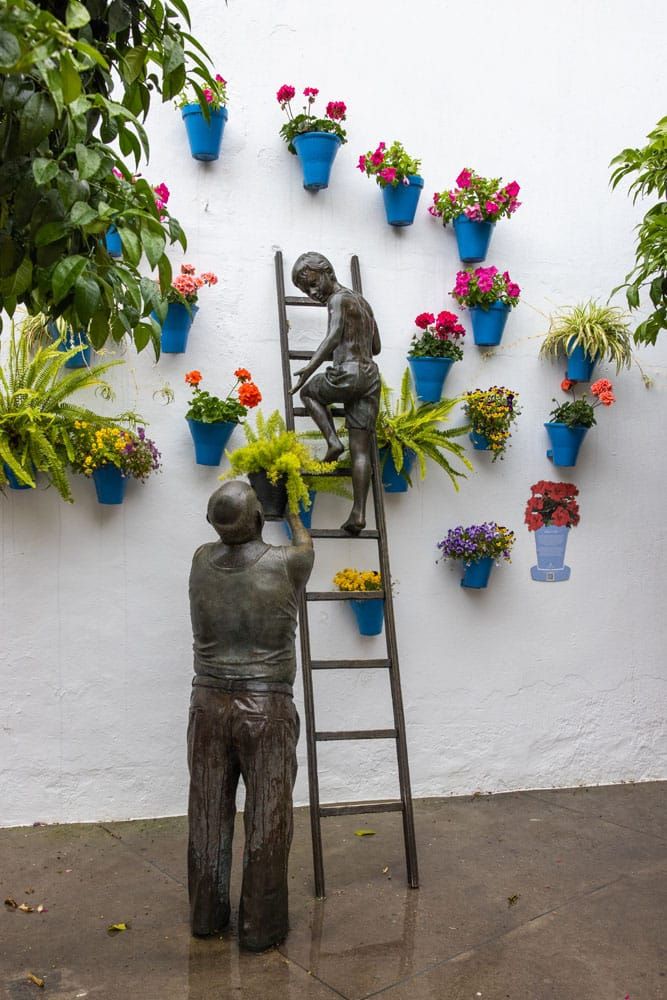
{"x":117,"y":173}
{"x":513,"y":290}
{"x":512,"y":189}
{"x":336,"y":110}
{"x":311,"y":93}
{"x":432,"y":210}
{"x":491,"y":208}
{"x":208,"y":94}
{"x":473,"y":212}
{"x":464,"y":178}
{"x":361,"y":165}
{"x":424,"y":320}
{"x":285,"y":94}
{"x":220,"y":79}
{"x":162,"y":191}
{"x":388,"y":175}
{"x":377,"y":158}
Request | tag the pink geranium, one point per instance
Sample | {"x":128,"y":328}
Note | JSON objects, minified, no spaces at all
{"x":307,"y":120}
{"x":336,"y":110}
{"x":388,"y":175}
{"x":479,"y":199}
{"x":464,"y":178}
{"x":285,"y":93}
{"x":424,"y":320}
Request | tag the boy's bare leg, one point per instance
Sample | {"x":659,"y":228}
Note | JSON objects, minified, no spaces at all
{"x":360,"y":455}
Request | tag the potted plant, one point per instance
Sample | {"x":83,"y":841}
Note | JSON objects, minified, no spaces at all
{"x":113,"y":239}
{"x":38,"y":413}
{"x":39,"y":329}
{"x":433,"y":352}
{"x":369,"y":611}
{"x":204,"y":112}
{"x":474,"y":207}
{"x":489,"y":295}
{"x":314,"y":140}
{"x":491,"y":413}
{"x":477,"y":548}
{"x":397,"y":173}
{"x":277,"y":463}
{"x":407,"y":431}
{"x":211,"y":420}
{"x":571,"y":420}
{"x":551,"y":511}
{"x":182,"y":308}
{"x":111,"y":455}
{"x":586,"y":334}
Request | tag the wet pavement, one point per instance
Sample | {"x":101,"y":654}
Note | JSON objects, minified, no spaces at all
{"x":525,"y":896}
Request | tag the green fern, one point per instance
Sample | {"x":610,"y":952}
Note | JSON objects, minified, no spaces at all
{"x":602,"y":331}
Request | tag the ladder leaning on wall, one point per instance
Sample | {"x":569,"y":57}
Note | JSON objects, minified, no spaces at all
{"x":390,"y":663}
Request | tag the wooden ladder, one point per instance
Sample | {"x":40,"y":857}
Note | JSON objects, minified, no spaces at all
{"x":390,"y":663}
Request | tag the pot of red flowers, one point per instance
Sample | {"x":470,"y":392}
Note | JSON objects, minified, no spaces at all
{"x":571,"y":420}
{"x":551,"y":511}
{"x":368,"y":609}
{"x":205,"y":128}
{"x":474,"y":207}
{"x":491,"y":413}
{"x":433,"y":352}
{"x":314,"y":140}
{"x":113,"y":239}
{"x":397,"y":174}
{"x":182,"y":308}
{"x":490,"y":296}
{"x":477,"y":547}
{"x":211,"y":420}
{"x":111,"y":455}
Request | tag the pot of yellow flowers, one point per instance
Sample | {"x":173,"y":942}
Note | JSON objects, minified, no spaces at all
{"x":111,"y":455}
{"x":368,"y":610}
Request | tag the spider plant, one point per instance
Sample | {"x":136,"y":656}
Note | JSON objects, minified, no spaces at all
{"x":406,"y":424}
{"x":601,"y":331}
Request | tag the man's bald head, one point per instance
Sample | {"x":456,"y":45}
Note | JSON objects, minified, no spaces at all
{"x":235,"y":513}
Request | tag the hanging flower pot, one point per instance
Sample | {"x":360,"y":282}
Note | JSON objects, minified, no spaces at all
{"x":113,"y":242}
{"x":550,"y":544}
{"x":210,"y":440}
{"x":212,"y":420}
{"x":205,"y":137}
{"x":580,"y":365}
{"x":472,"y":238}
{"x":176,"y":327}
{"x":429,"y":375}
{"x":14,"y":482}
{"x":110,"y":484}
{"x":401,"y":200}
{"x":551,"y":511}
{"x":305,"y":515}
{"x":565,"y":443}
{"x":488,"y":324}
{"x":433,"y":352}
{"x":369,"y":613}
{"x":393,"y":480}
{"x":70,"y":340}
{"x":316,"y":152}
{"x":480,"y":442}
{"x":489,"y":295}
{"x":272,"y":496}
{"x":476,"y":574}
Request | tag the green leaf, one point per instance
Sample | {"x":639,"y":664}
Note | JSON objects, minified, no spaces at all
{"x":119,"y":17}
{"x":18,"y":282}
{"x":86,"y":297}
{"x":632,"y":296}
{"x":88,"y":160}
{"x":174,"y":55}
{"x":76,"y":15}
{"x":153,"y":243}
{"x":91,"y":52}
{"x":134,"y":62}
{"x":44,"y":170}
{"x":81,"y":213}
{"x":37,"y":119}
{"x":364,"y":833}
{"x":164,"y":271}
{"x":70,"y":79}
{"x":98,"y":331}
{"x":10,"y":255}
{"x":49,"y":233}
{"x":131,"y":245}
{"x":10,"y":50}
{"x":181,"y":8}
{"x":142,"y":335}
{"x":65,"y":274}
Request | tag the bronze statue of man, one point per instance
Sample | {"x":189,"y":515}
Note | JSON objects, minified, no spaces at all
{"x":243,"y":604}
{"x":353,"y":379}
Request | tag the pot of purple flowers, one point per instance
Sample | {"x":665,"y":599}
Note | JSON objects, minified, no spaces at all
{"x":110,"y":455}
{"x":490,"y":296}
{"x":477,"y":547}
{"x":473,"y":207}
{"x":433,"y":352}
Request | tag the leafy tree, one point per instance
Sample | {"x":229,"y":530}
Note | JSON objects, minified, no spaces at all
{"x":59,"y":63}
{"x":649,"y":167}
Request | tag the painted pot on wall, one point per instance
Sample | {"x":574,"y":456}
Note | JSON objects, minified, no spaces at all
{"x":476,"y":574}
{"x":70,"y":340}
{"x":176,"y":327}
{"x":369,"y":613}
{"x":273,"y":497}
{"x":392,"y":480}
{"x":565,"y":443}
{"x":305,"y":515}
{"x":113,"y":243}
{"x":472,"y":238}
{"x":210,"y":440}
{"x":429,"y":375}
{"x":488,"y":325}
{"x":580,"y":365}
{"x":400,"y":202}
{"x":480,"y":442}
{"x":205,"y":137}
{"x":316,"y":152}
{"x":14,"y":482}
{"x":110,"y":484}
{"x":550,"y":545}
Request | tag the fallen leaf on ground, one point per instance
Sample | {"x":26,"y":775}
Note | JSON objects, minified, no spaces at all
{"x":385,"y":869}
{"x":364,"y":833}
{"x":513,"y":900}
{"x":25,"y":908}
{"x":117,"y":928}
{"x":36,"y":980}
{"x":11,"y":903}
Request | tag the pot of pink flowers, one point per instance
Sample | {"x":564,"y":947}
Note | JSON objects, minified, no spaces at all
{"x":473,"y":207}
{"x":205,"y":128}
{"x":397,"y":174}
{"x":182,"y":308}
{"x":314,"y":140}
{"x":490,"y":296}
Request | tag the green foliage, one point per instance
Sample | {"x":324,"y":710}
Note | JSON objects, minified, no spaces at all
{"x":408,"y":425}
{"x":648,"y":165}
{"x":37,"y":415}
{"x":602,"y":331}
{"x":58,"y":128}
{"x":428,"y":345}
{"x":213,"y":410}
{"x":573,"y":414}
{"x":395,"y":159}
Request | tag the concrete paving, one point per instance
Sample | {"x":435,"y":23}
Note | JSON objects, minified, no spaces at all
{"x":525,"y":896}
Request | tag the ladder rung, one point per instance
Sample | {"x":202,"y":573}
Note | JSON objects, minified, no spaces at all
{"x":358,"y":734}
{"x":335,"y":411}
{"x":339,"y":533}
{"x":300,"y":355}
{"x":349,"y":664}
{"x":302,"y":300}
{"x":339,"y":595}
{"x":358,"y":808}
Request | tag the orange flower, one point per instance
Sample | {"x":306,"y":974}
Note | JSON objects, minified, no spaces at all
{"x":242,"y":374}
{"x":567,"y":384}
{"x":249,"y":395}
{"x":607,"y":398}
{"x":602,"y":385}
{"x":194,"y":377}
{"x":187,"y":269}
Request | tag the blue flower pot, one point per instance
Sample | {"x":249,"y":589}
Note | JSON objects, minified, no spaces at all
{"x":565,"y":443}
{"x":369,"y":614}
{"x":316,"y":151}
{"x":400,"y":201}
{"x":176,"y":327}
{"x":488,"y":324}
{"x":476,"y":574}
{"x":113,"y":242}
{"x":70,"y":340}
{"x":580,"y":365}
{"x":210,"y":440}
{"x":480,"y":442}
{"x":550,"y":545}
{"x":205,"y":138}
{"x":110,"y":484}
{"x":305,"y":515}
{"x":429,"y":375}
{"x":473,"y":238}
{"x":14,"y":483}
{"x":392,"y":480}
